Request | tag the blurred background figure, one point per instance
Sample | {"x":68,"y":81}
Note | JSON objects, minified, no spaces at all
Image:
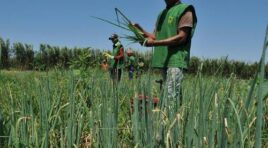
{"x":104,"y":65}
{"x":131,"y":63}
{"x":116,"y":60}
{"x":140,"y":67}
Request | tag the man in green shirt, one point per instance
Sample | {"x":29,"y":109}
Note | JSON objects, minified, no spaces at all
{"x":172,"y":41}
{"x":116,"y":60}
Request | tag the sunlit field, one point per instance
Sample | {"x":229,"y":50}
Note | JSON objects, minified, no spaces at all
{"x":86,"y":109}
{"x":57,"y":92}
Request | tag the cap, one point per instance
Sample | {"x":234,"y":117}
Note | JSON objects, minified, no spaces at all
{"x":113,"y":36}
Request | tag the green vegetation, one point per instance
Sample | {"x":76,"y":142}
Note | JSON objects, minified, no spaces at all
{"x":71,"y":107}
{"x":64,"y":109}
{"x":21,"y":56}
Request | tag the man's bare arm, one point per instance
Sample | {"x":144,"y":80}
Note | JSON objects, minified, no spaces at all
{"x":176,"y":40}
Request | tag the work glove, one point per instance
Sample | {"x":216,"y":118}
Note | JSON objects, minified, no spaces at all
{"x":108,"y":56}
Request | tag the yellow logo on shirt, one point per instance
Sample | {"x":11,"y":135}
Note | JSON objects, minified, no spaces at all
{"x":170,"y":19}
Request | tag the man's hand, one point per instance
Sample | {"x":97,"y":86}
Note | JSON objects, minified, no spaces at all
{"x":108,"y":55}
{"x":144,"y":32}
{"x":148,"y":42}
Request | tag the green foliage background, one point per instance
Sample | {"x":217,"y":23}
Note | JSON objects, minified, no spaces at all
{"x":21,"y":56}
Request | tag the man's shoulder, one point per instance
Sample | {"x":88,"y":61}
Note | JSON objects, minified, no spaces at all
{"x":118,"y":44}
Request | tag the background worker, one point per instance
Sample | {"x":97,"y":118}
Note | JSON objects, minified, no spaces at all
{"x":131,"y":63}
{"x":140,"y":67}
{"x":104,"y":65}
{"x":116,"y":60}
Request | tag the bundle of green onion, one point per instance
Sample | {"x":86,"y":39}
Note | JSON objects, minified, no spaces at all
{"x":139,"y":35}
{"x":124,"y":23}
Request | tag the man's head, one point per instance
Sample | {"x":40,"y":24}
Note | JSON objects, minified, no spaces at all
{"x":113,"y":37}
{"x":170,"y":3}
{"x":130,"y":52}
{"x":104,"y":61}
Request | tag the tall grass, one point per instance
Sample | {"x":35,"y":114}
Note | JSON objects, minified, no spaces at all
{"x":60,"y":109}
{"x":66,"y":109}
{"x":261,"y":94}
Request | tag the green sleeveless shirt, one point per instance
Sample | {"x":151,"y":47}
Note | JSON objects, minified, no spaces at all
{"x":116,"y":51}
{"x":167,"y":25}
